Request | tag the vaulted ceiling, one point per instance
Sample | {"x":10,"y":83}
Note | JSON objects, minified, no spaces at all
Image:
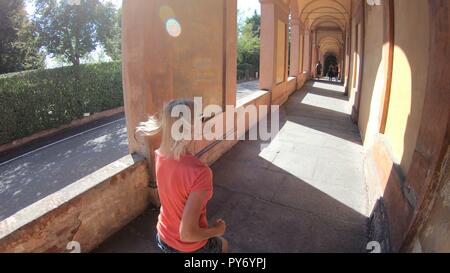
{"x":330,"y":18}
{"x":324,"y":13}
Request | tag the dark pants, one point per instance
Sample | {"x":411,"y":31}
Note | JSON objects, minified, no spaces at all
{"x":214,"y":245}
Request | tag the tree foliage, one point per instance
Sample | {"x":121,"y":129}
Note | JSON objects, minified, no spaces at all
{"x":110,"y":35}
{"x":18,"y":43}
{"x":71,"y":31}
{"x":249,"y":46}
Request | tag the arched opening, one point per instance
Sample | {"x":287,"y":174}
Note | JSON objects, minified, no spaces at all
{"x":329,"y":60}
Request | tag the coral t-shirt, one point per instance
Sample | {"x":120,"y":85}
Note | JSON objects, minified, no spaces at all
{"x":176,"y":180}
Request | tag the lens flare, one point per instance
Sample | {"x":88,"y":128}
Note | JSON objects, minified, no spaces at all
{"x":173,"y":27}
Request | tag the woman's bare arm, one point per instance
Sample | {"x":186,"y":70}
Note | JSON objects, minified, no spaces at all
{"x":190,"y":230}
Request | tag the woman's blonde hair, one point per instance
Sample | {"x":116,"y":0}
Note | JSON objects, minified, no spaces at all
{"x":172,"y":145}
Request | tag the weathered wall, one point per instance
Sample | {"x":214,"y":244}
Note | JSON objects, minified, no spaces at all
{"x":411,"y":59}
{"x":88,"y":211}
{"x":434,"y":234}
{"x":434,"y":135}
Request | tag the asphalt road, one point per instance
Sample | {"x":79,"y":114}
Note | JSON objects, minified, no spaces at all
{"x":42,"y":168}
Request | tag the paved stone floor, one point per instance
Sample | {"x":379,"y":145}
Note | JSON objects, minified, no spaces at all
{"x":303,"y":192}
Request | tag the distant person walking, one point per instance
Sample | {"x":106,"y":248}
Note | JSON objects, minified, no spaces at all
{"x":337,"y":73}
{"x":331,"y":70}
{"x":319,"y":68}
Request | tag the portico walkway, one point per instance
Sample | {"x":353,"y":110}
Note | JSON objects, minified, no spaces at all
{"x":303,"y":192}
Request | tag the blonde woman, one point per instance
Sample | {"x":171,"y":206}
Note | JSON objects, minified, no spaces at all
{"x":184,"y":185}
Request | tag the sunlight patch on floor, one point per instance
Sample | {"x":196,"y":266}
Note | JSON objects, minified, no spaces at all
{"x":325,"y":103}
{"x":329,"y":86}
{"x":329,"y":163}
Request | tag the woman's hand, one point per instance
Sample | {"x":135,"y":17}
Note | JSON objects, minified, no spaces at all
{"x":190,"y":230}
{"x":220,"y":226}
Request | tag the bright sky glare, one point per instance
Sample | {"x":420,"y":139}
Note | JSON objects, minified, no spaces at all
{"x":248,"y":7}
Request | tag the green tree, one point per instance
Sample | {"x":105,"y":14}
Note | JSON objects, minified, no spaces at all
{"x":111,"y":36}
{"x":249,"y":46}
{"x":72,"y":30}
{"x":18,"y":42}
{"x":255,"y":21}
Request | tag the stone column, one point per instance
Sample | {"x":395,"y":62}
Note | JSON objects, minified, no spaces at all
{"x":272,"y":11}
{"x":302,"y":50}
{"x":322,"y":60}
{"x":342,"y":62}
{"x":173,"y":49}
{"x":314,"y":53}
{"x":347,"y":66}
{"x":295,"y":69}
{"x":307,"y":52}
{"x":268,"y":45}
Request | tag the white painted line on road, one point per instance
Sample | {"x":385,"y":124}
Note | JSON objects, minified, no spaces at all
{"x":59,"y":141}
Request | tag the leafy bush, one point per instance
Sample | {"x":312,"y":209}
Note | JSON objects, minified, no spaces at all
{"x":42,"y":99}
{"x":247,"y":72}
{"x":248,"y":48}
